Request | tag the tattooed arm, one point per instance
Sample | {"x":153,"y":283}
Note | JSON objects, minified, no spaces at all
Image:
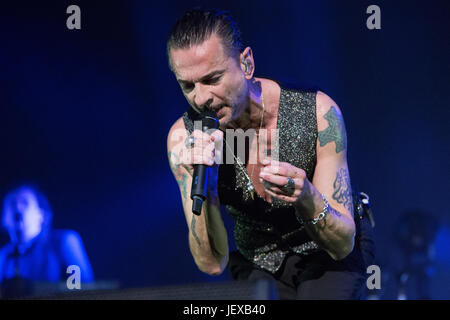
{"x":336,"y":232}
{"x":208,"y":240}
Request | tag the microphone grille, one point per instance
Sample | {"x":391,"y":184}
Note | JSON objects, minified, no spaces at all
{"x":209,"y":114}
{"x":210,"y":120}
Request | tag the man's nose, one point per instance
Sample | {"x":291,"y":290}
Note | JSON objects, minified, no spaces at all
{"x":202,"y":99}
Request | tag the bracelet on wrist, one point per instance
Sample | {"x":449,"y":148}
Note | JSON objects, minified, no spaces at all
{"x":321,"y":215}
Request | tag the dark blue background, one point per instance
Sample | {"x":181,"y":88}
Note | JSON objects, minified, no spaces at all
{"x":85,"y":113}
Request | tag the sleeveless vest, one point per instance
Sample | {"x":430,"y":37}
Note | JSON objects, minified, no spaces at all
{"x":266,"y":232}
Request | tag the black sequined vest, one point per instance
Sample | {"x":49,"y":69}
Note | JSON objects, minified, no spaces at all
{"x":266,"y":232}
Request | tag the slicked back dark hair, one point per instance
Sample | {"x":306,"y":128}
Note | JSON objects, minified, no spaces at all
{"x":197,"y":26}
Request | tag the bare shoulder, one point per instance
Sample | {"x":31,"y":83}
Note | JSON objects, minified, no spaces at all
{"x":177,"y":125}
{"x":176,"y":133}
{"x":324,"y":103}
{"x":330,"y":124}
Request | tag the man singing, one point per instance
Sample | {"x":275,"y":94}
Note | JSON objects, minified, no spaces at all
{"x":292,"y":205}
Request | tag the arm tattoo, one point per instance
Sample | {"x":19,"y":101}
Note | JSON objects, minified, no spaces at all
{"x":174,"y":165}
{"x":182,"y":183}
{"x":343,"y":190}
{"x":179,"y":176}
{"x":194,"y":233}
{"x":335,"y":132}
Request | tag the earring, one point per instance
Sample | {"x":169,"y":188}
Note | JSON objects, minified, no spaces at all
{"x":247,"y":65}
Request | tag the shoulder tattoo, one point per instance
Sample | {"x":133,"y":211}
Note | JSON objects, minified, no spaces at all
{"x":335,"y":131}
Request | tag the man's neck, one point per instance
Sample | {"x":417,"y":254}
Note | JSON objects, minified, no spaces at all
{"x":259,"y":107}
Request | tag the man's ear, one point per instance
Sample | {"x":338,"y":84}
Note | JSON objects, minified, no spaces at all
{"x":247,"y":63}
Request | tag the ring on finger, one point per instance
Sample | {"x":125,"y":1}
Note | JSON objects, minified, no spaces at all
{"x":289,"y":187}
{"x":189,"y":142}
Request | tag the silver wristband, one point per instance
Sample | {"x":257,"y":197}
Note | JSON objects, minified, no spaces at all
{"x":321,"y":215}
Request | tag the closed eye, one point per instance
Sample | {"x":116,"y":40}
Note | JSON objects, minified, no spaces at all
{"x":186,"y":87}
{"x":212,"y":81}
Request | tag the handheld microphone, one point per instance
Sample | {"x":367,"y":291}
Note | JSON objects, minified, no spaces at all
{"x":199,"y":179}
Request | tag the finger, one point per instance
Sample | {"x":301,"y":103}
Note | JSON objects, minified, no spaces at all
{"x":196,"y":155}
{"x":273,"y":178}
{"x":269,"y":186}
{"x":202,"y":155}
{"x":208,"y":147}
{"x":285,"y":169}
{"x":282,"y":171}
{"x":277,"y":189}
{"x":202,"y":159}
{"x":209,"y":151}
{"x":277,"y":163}
{"x":218,"y":155}
{"x":217,"y":140}
{"x":281,"y":196}
{"x":217,"y":135}
{"x":201,"y":138}
{"x":272,"y":162}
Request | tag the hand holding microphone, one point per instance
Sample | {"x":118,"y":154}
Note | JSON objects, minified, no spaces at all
{"x":203,"y":155}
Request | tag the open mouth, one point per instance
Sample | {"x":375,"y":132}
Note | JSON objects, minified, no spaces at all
{"x":220,"y":112}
